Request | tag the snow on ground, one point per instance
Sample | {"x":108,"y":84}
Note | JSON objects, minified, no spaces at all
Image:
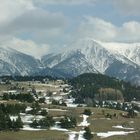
{"x":71,"y":105}
{"x":13,"y":117}
{"x":54,"y":93}
{"x":57,"y":110}
{"x":70,"y":100}
{"x":58,"y":98}
{"x":63,"y":94}
{"x":47,"y":100}
{"x":27,"y":118}
{"x":3,"y":101}
{"x":113,"y":133}
{"x":131,"y":122}
{"x":80,"y":136}
{"x":28,"y":128}
{"x":61,"y":117}
{"x":75,"y":105}
{"x":57,"y":128}
{"x":121,"y":127}
{"x":28,"y":108}
{"x":10,"y":91}
{"x":72,"y":135}
{"x":84,"y":122}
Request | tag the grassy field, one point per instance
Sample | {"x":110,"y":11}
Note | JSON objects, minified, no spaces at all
{"x":98,"y":123}
{"x":34,"y":135}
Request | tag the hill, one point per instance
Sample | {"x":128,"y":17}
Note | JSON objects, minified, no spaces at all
{"x":90,"y":85}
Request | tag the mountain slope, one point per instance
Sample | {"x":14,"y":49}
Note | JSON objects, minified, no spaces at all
{"x":75,"y":64}
{"x":13,"y":62}
{"x":130,"y":51}
{"x":91,"y":56}
{"x":95,"y":58}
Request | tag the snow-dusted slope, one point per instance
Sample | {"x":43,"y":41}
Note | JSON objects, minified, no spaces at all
{"x":88,"y":55}
{"x":129,"y":50}
{"x":13,"y":62}
{"x":75,"y":64}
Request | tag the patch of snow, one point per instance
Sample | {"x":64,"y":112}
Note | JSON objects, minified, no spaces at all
{"x":121,"y":127}
{"x":63,"y":94}
{"x":71,"y":105}
{"x":57,"y":98}
{"x":28,"y":108}
{"x":57,"y":128}
{"x":57,"y":110}
{"x":131,"y":121}
{"x":3,"y":101}
{"x":80,"y":136}
{"x":10,"y":91}
{"x":61,"y":117}
{"x":84,"y":122}
{"x":54,"y":93}
{"x":26,"y":118}
{"x":113,"y":133}
{"x":13,"y":118}
{"x":28,"y":128}
{"x":72,"y":135}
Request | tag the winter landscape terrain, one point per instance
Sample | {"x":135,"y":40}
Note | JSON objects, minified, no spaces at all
{"x":69,"y":69}
{"x":46,"y":109}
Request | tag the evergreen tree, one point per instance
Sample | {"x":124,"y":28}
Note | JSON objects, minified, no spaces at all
{"x":87,"y":112}
{"x":18,"y":123}
{"x":34,"y":124}
{"x":46,"y":122}
{"x":88,"y":135}
{"x":68,"y":122}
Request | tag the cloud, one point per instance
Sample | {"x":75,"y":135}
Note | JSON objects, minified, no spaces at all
{"x":21,"y":19}
{"x":100,"y":29}
{"x":27,"y":46}
{"x":129,"y":32}
{"x":40,"y":19}
{"x":64,"y":2}
{"x":97,"y":28}
{"x":10,"y":9}
{"x":37,"y":23}
{"x":27,"y":25}
{"x":128,"y":7}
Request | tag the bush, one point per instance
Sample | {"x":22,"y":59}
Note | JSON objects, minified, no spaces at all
{"x":44,"y":112}
{"x":87,"y":112}
{"x":87,"y":135}
{"x":68,"y":122}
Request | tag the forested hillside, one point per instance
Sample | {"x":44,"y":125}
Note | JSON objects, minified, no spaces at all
{"x":98,"y":86}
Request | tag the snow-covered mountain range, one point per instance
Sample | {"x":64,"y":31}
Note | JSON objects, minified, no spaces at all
{"x":114,"y":59}
{"x":86,"y":55}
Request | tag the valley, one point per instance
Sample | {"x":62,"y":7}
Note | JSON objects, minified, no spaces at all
{"x":50,"y":111}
